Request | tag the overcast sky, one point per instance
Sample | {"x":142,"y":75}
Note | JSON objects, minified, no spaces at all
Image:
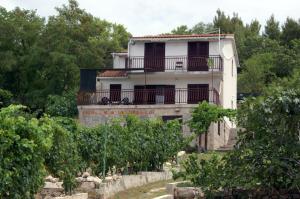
{"x":144,"y":17}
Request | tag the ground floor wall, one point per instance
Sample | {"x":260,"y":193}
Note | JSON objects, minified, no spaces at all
{"x":92,"y":115}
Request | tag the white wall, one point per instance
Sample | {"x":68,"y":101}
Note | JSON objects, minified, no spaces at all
{"x":119,"y":61}
{"x":178,"y":50}
{"x":180,"y":82}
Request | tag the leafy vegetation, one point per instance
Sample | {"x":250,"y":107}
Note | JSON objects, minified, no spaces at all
{"x":23,"y":144}
{"x":130,"y":145}
{"x":266,"y":55}
{"x":268,"y":149}
{"x":30,"y":148}
{"x":41,"y":57}
{"x":64,"y":105}
{"x":205,"y":114}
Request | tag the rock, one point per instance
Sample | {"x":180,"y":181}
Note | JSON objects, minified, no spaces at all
{"x":51,"y":179}
{"x":94,"y":179}
{"x":79,"y":179}
{"x":115,"y":177}
{"x":87,"y":185}
{"x":85,"y":174}
{"x":108,"y":178}
{"x":51,"y":185}
{"x":181,"y":153}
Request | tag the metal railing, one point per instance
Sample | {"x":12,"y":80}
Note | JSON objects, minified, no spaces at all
{"x":176,"y":63}
{"x":148,"y":96}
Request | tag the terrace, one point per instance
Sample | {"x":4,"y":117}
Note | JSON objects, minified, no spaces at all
{"x":142,"y":96}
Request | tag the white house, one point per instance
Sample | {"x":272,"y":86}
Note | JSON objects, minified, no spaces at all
{"x":165,"y":76}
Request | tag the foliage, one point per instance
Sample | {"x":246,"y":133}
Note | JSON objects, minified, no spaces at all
{"x":63,"y":160}
{"x":205,"y":114}
{"x":5,"y":98}
{"x":202,"y":172}
{"x":41,"y":57}
{"x":257,"y":70}
{"x":132,"y":144}
{"x":62,"y":105}
{"x":23,"y":144}
{"x":268,"y":148}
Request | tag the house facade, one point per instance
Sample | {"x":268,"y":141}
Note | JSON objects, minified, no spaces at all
{"x":165,"y":76}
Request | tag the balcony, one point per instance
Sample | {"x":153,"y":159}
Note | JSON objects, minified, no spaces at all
{"x":148,"y":96}
{"x":175,"y":63}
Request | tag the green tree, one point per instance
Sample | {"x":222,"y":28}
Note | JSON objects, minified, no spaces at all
{"x":272,"y":29}
{"x":181,"y":30}
{"x":257,"y":73}
{"x":290,"y":31}
{"x":204,"y":115}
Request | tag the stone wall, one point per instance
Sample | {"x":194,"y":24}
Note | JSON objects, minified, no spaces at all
{"x":108,"y":189}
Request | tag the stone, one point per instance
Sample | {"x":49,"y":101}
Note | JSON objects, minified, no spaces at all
{"x":108,"y":178}
{"x":51,"y":179}
{"x":94,"y":179}
{"x":51,"y":185}
{"x":85,"y":174}
{"x":181,"y":153}
{"x":87,"y":185}
{"x":80,"y":179}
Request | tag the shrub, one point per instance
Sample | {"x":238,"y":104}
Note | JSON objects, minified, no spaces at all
{"x":63,"y":160}
{"x":130,"y":143}
{"x":268,"y":153}
{"x":5,"y":98}
{"x":64,"y":105}
{"x":23,"y":144}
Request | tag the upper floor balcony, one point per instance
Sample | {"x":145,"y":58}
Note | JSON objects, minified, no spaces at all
{"x":175,"y":63}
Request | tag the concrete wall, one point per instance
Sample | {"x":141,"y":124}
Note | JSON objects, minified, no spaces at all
{"x":119,"y":61}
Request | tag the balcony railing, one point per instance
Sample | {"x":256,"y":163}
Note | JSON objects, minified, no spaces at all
{"x":148,"y":96}
{"x":176,"y":63}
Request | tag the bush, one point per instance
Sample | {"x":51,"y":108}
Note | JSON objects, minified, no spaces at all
{"x":23,"y":145}
{"x":268,"y":153}
{"x":130,"y":144}
{"x":5,"y":98}
{"x":63,"y":160}
{"x":64,"y":105}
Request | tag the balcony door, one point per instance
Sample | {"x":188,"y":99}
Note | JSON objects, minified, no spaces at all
{"x":154,"y":57}
{"x":154,"y":94}
{"x":198,"y":53}
{"x":197,"y":93}
{"x":115,"y":92}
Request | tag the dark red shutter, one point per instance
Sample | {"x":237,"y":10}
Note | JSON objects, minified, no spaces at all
{"x":198,"y":93}
{"x":198,"y":53}
{"x":154,"y":57}
{"x":115,"y":92}
{"x":169,"y":94}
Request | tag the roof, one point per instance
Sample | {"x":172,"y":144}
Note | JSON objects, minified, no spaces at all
{"x":173,"y":36}
{"x":113,"y":73}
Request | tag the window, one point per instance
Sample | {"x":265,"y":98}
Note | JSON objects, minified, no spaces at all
{"x":219,"y":128}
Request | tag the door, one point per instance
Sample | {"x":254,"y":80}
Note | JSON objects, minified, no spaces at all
{"x":198,"y":53}
{"x":154,"y":57}
{"x":139,"y":93}
{"x":115,"y":92}
{"x":197,"y":93}
{"x":169,"y":94}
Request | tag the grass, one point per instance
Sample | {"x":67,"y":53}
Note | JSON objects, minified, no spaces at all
{"x":148,"y":191}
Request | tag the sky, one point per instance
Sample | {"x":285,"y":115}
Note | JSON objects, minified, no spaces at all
{"x":148,"y":17}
